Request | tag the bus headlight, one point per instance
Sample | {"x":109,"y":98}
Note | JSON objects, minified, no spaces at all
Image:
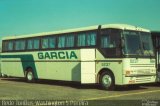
{"x":128,"y":72}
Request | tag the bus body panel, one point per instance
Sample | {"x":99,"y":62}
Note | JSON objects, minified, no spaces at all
{"x":88,"y":70}
{"x":44,"y":66}
{"x":139,"y":70}
{"x":112,"y":64}
{"x":143,"y":69}
{"x":11,"y":66}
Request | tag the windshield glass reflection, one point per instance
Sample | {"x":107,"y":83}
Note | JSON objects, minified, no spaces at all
{"x":138,"y":43}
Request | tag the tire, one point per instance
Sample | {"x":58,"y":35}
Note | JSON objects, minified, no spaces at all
{"x":107,"y":81}
{"x":29,"y":76}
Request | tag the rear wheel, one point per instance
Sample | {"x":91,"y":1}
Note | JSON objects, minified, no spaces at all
{"x":107,"y":81}
{"x":29,"y":76}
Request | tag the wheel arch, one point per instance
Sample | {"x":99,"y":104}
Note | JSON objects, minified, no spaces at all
{"x":32,"y":68}
{"x":27,"y":69}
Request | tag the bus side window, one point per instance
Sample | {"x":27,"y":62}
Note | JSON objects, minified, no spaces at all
{"x":66,"y":41}
{"x":45,"y":43}
{"x":52,"y":42}
{"x":20,"y":45}
{"x":10,"y":45}
{"x":30,"y":44}
{"x":36,"y":43}
{"x":61,"y":41}
{"x":33,"y":44}
{"x":91,"y":39}
{"x":81,"y":40}
{"x":48,"y":42}
{"x":110,"y":43}
{"x":104,"y":41}
{"x":86,"y":39}
{"x":69,"y":41}
{"x":7,"y":45}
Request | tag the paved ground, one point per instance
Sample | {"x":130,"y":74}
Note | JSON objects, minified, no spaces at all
{"x":18,"y":89}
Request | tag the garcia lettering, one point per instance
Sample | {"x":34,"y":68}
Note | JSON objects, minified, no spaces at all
{"x":57,"y":55}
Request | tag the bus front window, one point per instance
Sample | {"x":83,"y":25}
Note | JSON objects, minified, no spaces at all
{"x":147,"y":44}
{"x":132,"y":43}
{"x":138,"y":43}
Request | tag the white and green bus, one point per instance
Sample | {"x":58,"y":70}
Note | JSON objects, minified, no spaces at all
{"x":114,"y":54}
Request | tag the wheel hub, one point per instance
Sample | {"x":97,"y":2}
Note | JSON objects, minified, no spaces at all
{"x":107,"y":80}
{"x":29,"y":76}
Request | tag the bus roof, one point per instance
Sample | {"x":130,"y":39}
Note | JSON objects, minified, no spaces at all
{"x":116,"y":26}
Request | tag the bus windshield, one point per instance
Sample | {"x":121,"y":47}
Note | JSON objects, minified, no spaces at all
{"x":138,"y":43}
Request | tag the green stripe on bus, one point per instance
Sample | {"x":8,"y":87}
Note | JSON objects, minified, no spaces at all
{"x":25,"y":65}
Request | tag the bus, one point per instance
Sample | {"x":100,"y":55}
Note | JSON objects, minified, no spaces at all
{"x":108,"y":55}
{"x":156,"y":45}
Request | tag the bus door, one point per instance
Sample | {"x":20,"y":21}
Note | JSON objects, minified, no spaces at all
{"x":88,"y":65}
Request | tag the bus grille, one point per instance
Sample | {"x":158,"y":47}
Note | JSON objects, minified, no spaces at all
{"x":143,"y":79}
{"x":142,"y":65}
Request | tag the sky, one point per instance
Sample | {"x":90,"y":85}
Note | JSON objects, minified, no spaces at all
{"x":20,"y":17}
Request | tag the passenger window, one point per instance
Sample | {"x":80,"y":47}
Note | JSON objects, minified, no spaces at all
{"x":33,"y":44}
{"x":30,"y":44}
{"x":81,"y":40}
{"x":86,"y":39}
{"x":45,"y":43}
{"x":20,"y":45}
{"x":36,"y":44}
{"x":8,"y":45}
{"x":48,"y":42}
{"x":70,"y":41}
{"x":66,"y":41}
{"x":52,"y":42}
{"x":91,"y":39}
{"x":61,"y":42}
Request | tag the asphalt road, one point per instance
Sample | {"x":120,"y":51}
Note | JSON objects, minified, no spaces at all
{"x":18,"y":89}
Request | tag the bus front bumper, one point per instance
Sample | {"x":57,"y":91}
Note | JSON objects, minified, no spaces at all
{"x":139,"y":79}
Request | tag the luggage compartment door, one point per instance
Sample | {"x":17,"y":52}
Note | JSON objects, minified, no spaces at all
{"x":88,"y":67}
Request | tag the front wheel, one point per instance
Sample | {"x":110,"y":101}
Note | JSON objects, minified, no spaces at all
{"x":29,"y":76}
{"x":107,"y":81}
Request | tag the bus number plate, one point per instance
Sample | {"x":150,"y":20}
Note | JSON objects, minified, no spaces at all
{"x":105,"y":64}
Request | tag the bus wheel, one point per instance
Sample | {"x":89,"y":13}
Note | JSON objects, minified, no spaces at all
{"x":107,"y":80}
{"x":29,"y":75}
